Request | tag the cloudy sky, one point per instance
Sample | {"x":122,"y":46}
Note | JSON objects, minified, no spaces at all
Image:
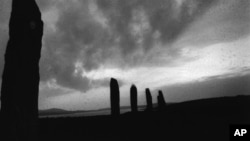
{"x":190,"y":49}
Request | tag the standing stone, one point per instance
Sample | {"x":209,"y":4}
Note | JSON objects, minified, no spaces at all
{"x":149,"y":100}
{"x":20,"y":79}
{"x":114,"y":97}
{"x":133,"y":99}
{"x":161,"y":100}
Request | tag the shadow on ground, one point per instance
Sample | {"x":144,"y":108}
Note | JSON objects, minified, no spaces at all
{"x":205,"y":120}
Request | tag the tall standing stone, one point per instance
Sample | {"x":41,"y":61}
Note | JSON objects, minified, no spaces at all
{"x":149,"y":100}
{"x":114,"y":97}
{"x":20,"y":79}
{"x":133,"y":99}
{"x":161,"y":100}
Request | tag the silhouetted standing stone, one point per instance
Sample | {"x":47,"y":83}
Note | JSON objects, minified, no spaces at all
{"x":161,"y":100}
{"x":114,"y":97}
{"x":149,"y":100}
{"x":20,"y":79}
{"x":133,"y":98}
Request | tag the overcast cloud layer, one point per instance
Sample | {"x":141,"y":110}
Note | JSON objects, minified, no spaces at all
{"x":88,"y":41}
{"x":85,"y":35}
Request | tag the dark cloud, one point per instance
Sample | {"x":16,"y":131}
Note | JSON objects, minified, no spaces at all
{"x":162,"y":16}
{"x":124,"y":36}
{"x":226,"y":22}
{"x":75,"y":41}
{"x":118,"y":33}
{"x":46,"y":92}
{"x":123,"y":33}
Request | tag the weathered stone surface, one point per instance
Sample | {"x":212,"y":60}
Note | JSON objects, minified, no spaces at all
{"x":133,"y":99}
{"x":161,"y":100}
{"x":149,"y":100}
{"x":114,"y":97}
{"x":20,"y":79}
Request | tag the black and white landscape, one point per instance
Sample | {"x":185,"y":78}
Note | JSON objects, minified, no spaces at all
{"x":124,"y":69}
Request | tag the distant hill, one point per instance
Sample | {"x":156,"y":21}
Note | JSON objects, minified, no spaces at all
{"x":231,"y":106}
{"x":61,"y":112}
{"x":203,"y":119}
{"x":54,"y":111}
{"x":220,"y":105}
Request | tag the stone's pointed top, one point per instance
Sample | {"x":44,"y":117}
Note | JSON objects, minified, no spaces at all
{"x":133,"y":85}
{"x":148,"y":91}
{"x":133,"y":88}
{"x":113,"y":82}
{"x":25,"y":14}
{"x":27,"y":8}
{"x":149,"y":100}
{"x":133,"y":98}
{"x":112,"y":79}
{"x":114,"y":97}
{"x":161,"y":100}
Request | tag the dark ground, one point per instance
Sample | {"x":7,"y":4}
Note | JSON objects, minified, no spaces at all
{"x":203,"y":120}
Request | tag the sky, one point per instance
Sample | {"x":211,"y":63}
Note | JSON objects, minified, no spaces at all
{"x":190,"y":49}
